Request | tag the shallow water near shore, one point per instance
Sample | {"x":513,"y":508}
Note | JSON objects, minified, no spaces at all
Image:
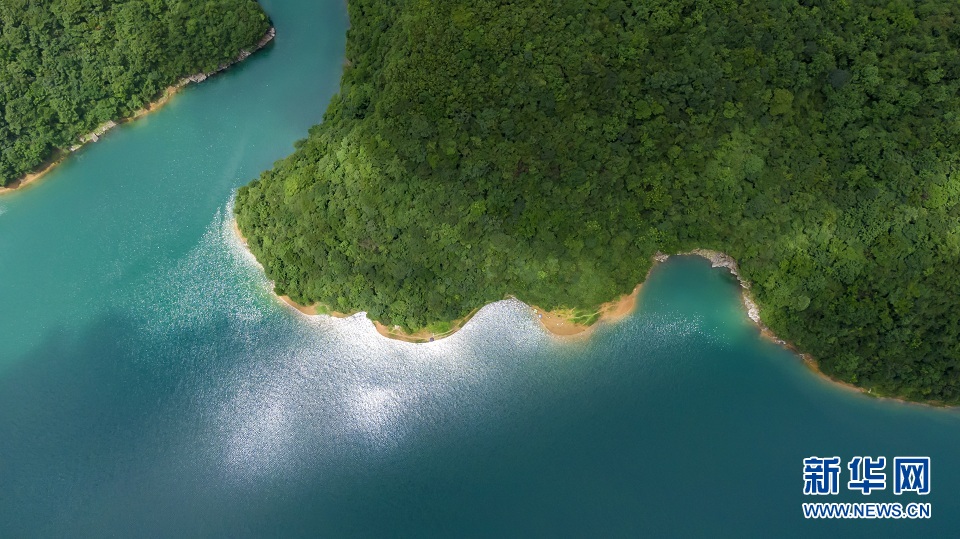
{"x":151,"y":385}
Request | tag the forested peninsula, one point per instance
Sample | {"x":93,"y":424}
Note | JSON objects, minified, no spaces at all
{"x":548,"y":150}
{"x":68,"y":67}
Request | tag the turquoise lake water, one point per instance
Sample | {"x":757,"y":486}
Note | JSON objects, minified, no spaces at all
{"x":151,"y":386}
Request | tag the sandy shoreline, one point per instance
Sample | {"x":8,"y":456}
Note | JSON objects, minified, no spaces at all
{"x":558,"y":323}
{"x":62,"y":153}
{"x":395,"y":332}
{"x":388,"y":332}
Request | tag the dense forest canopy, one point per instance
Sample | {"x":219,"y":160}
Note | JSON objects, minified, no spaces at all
{"x":547,"y":149}
{"x":67,"y":66}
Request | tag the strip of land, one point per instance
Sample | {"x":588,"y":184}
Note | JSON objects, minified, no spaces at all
{"x":563,"y":323}
{"x":94,"y":136}
{"x":559,"y":323}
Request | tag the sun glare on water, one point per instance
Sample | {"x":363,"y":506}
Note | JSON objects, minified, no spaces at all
{"x":310,"y":391}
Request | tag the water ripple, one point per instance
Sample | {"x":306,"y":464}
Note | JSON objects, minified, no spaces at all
{"x":298,"y":390}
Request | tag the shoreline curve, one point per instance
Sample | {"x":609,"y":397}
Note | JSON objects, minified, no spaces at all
{"x":61,"y":154}
{"x":719,"y":259}
{"x":558,"y":325}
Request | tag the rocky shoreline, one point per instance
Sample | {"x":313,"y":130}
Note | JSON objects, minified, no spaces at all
{"x":102,"y":129}
{"x":723,"y":260}
{"x":618,"y":309}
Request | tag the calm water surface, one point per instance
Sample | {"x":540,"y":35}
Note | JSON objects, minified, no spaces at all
{"x":151,"y":386}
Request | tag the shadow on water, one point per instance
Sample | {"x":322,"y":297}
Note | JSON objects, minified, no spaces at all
{"x":230,"y":426}
{"x":111,"y":430}
{"x":83,"y":432}
{"x":106,"y":431}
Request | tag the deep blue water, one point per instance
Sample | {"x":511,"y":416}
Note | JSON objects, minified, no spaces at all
{"x":150,"y":384}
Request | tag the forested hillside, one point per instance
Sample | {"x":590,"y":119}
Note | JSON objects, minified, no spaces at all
{"x":547,"y":149}
{"x":67,"y":66}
